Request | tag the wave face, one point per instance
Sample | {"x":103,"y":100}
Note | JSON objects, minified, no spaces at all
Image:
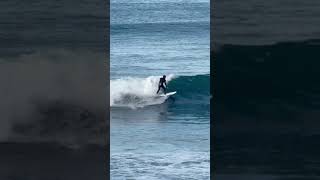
{"x":192,"y":89}
{"x":140,"y":92}
{"x":276,"y":83}
{"x":266,"y":104}
{"x":280,"y":73}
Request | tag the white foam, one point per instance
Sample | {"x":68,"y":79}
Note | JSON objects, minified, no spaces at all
{"x":136,"y":92}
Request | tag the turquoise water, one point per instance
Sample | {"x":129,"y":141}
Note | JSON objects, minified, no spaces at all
{"x":151,"y":137}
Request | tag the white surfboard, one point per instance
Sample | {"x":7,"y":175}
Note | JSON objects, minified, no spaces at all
{"x":168,"y":94}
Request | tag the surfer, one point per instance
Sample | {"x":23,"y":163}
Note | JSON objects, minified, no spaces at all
{"x":162,"y":82}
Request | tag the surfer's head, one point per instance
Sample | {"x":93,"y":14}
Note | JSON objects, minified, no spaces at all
{"x":164,"y":76}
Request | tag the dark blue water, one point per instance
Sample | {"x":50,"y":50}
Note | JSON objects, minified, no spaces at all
{"x":53,"y":89}
{"x":266,"y":104}
{"x":159,"y":137}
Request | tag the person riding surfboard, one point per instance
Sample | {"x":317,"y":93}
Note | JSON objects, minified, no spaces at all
{"x":162,"y":82}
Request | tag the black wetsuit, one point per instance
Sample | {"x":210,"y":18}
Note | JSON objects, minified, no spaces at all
{"x":161,"y":82}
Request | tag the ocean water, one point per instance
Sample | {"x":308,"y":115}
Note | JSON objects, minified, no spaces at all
{"x":266,"y":109}
{"x":159,"y":137}
{"x":268,"y":128}
{"x":53,"y":89}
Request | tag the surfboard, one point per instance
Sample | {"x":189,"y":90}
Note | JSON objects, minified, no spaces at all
{"x":168,"y":94}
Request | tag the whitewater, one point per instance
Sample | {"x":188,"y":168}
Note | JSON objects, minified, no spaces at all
{"x":136,"y":92}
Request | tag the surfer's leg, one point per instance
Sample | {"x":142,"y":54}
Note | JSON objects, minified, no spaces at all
{"x":164,"y":90}
{"x":158,"y":89}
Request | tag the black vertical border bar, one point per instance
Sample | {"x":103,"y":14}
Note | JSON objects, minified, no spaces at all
{"x":107,"y":75}
{"x":212,"y":93}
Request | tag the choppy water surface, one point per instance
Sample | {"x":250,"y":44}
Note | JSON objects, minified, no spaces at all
{"x":158,"y":137}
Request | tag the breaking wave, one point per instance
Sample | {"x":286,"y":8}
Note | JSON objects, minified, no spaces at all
{"x":135,"y":92}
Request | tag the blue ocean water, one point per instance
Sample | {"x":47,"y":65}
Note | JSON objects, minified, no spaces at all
{"x":152,"y":137}
{"x":154,"y":38}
